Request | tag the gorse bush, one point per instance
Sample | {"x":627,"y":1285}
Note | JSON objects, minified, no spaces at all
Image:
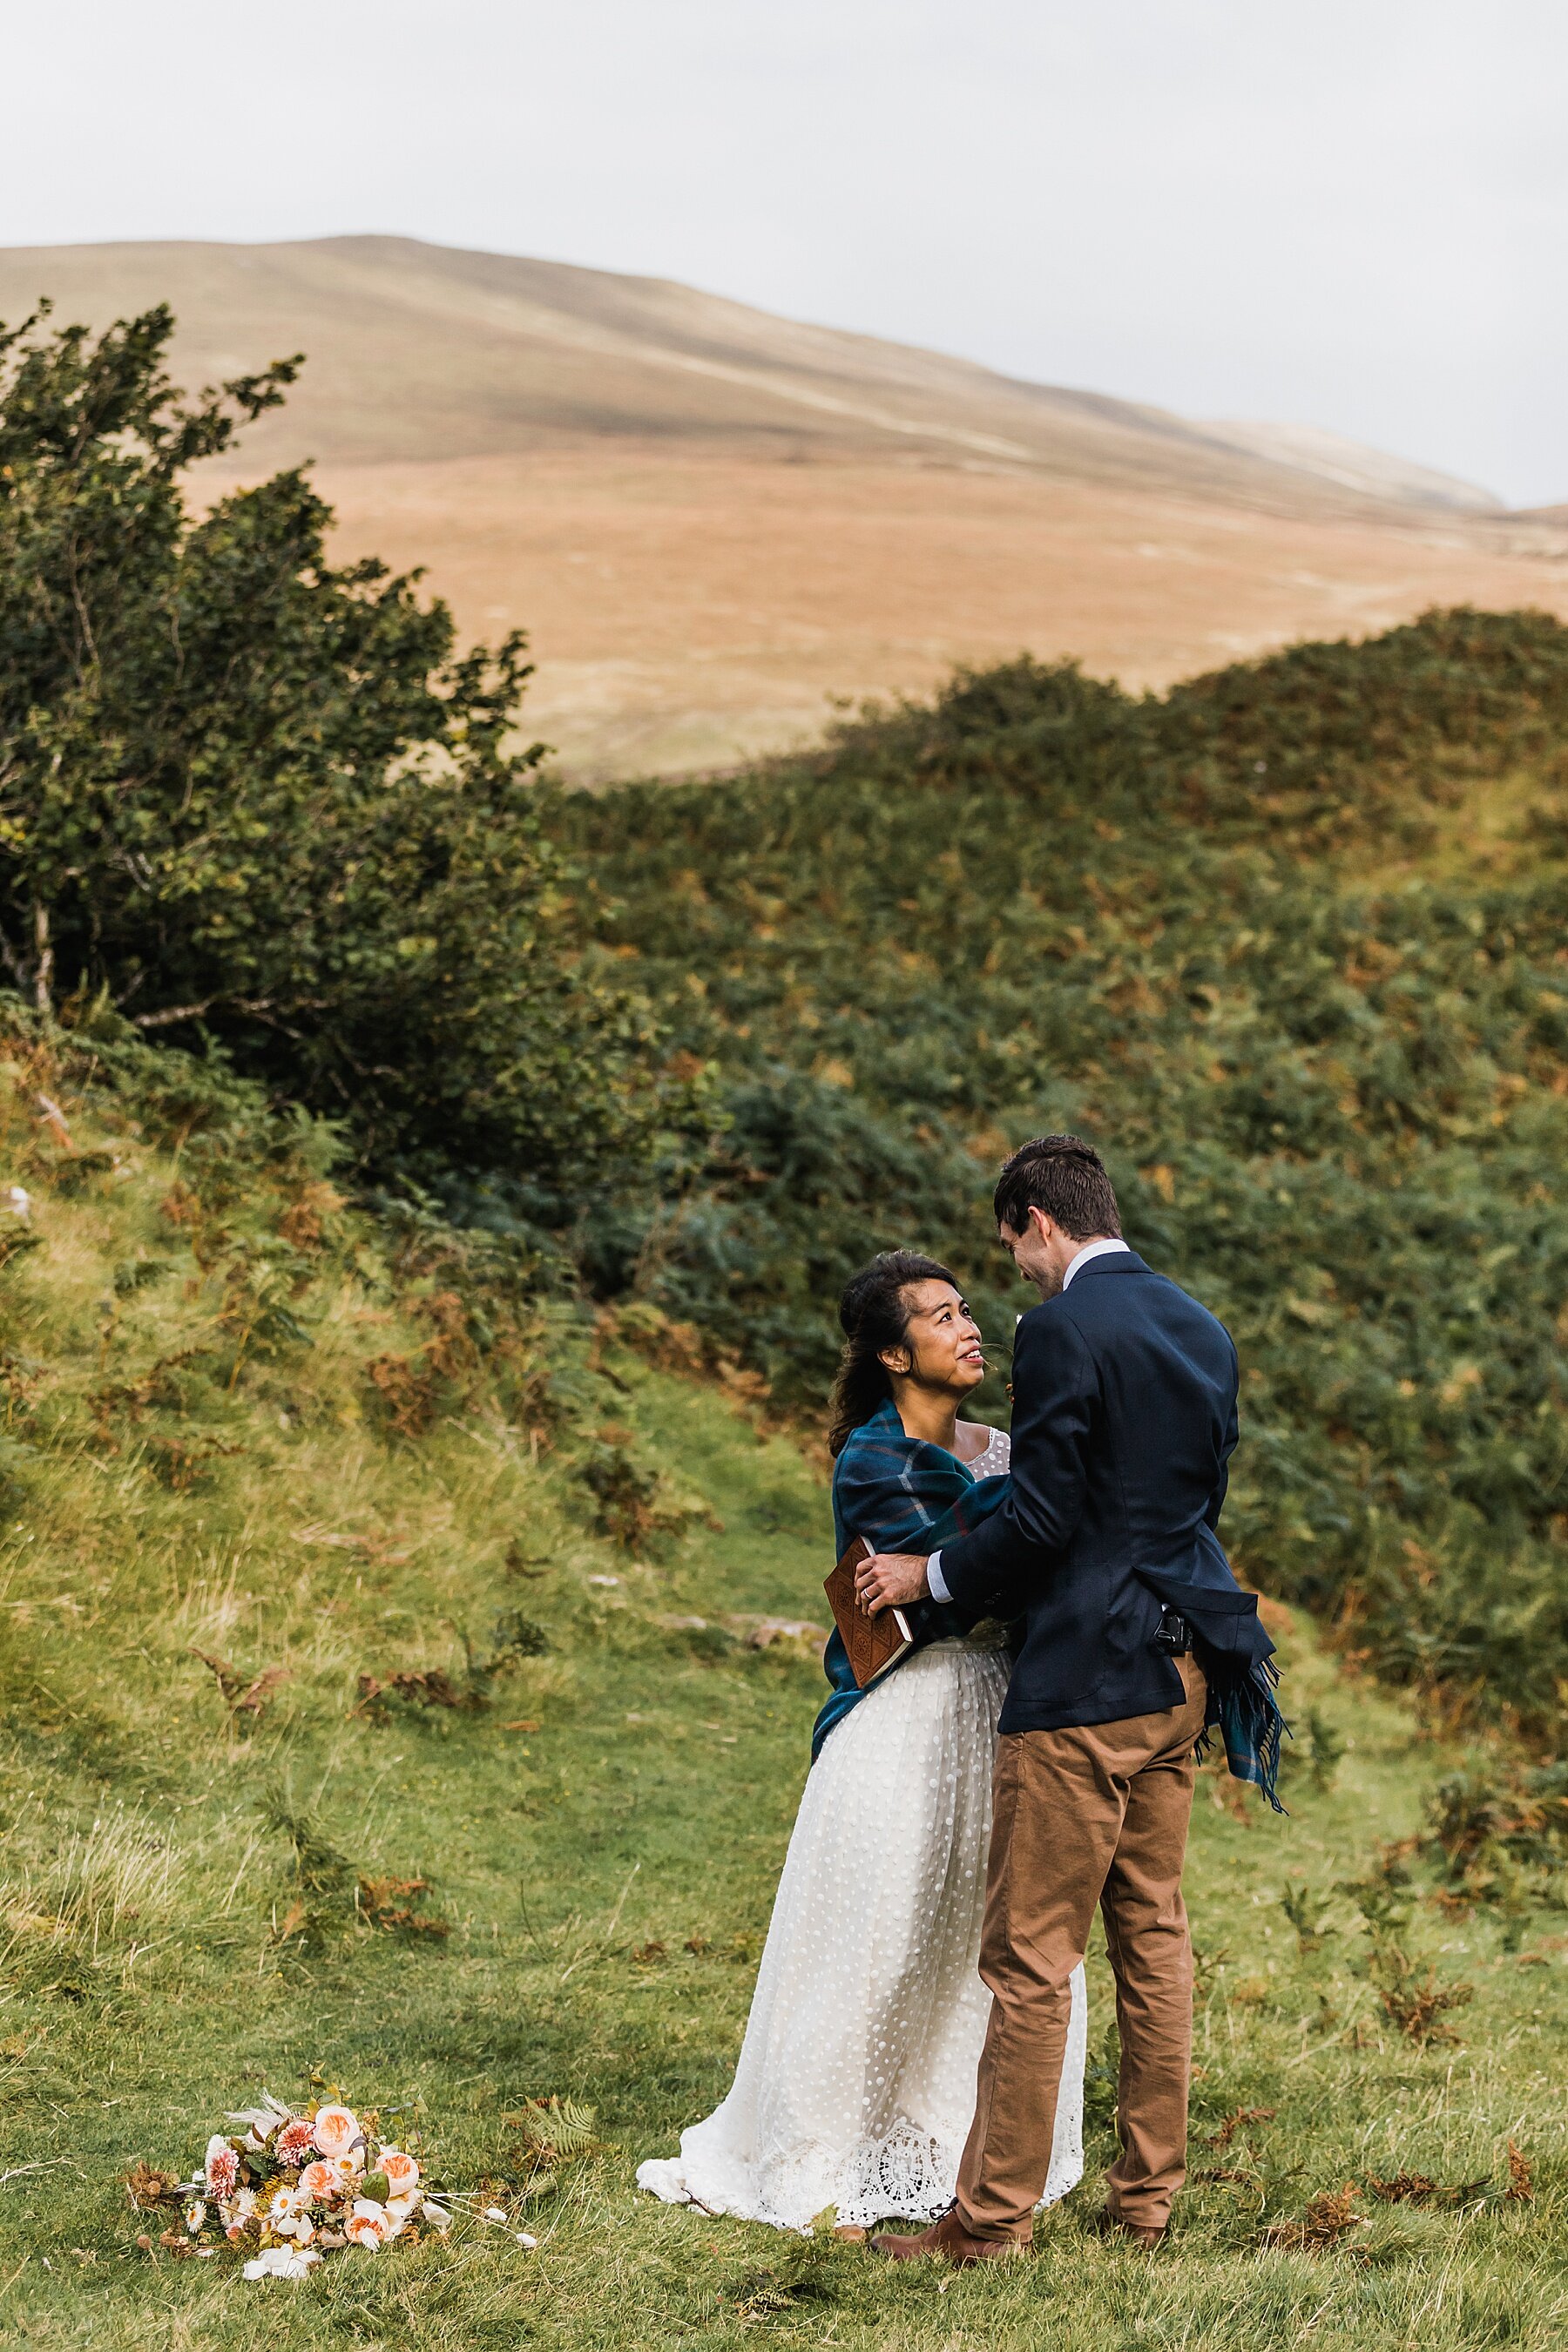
{"x":244,"y":792}
{"x":1241,"y":936}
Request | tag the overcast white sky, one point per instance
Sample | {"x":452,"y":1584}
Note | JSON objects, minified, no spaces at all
{"x":1349,"y":213}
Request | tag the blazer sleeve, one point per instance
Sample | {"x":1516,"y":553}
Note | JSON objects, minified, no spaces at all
{"x":1055,"y":1397}
{"x":1232,"y":1432}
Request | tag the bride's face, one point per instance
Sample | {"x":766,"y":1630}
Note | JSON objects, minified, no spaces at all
{"x":942,"y":1343}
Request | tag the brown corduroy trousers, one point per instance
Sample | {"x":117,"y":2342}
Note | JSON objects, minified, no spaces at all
{"x":1094,"y":1814}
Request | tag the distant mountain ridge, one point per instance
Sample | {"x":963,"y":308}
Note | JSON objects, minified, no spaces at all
{"x":1332,"y":457}
{"x":418,"y":352}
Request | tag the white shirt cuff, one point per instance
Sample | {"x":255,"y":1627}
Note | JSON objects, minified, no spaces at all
{"x":934,"y":1584}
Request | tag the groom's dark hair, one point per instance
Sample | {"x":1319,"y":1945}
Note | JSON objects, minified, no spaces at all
{"x":1066,"y":1178}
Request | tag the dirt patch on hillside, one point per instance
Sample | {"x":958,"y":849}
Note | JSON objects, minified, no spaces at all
{"x":690,"y":609}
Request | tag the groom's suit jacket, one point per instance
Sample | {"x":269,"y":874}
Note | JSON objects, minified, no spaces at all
{"x":1124,"y":1420}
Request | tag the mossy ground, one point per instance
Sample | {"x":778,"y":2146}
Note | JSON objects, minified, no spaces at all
{"x":606,"y":1876}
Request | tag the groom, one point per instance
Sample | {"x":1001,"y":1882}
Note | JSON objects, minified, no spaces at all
{"x":1124,"y":1420}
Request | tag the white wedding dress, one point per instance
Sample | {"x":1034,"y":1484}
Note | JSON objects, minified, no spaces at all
{"x":856,"y":2082}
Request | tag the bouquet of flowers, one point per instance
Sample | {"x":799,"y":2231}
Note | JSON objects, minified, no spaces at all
{"x":299,"y":2184}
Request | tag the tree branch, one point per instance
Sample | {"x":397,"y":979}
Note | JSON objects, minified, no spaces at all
{"x":172,"y":1013}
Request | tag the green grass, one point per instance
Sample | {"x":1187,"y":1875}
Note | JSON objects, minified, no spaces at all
{"x":150,"y":1976}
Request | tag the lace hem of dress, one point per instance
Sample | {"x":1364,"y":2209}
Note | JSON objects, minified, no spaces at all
{"x":907,"y":2175}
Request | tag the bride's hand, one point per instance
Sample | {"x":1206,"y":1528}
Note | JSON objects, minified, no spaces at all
{"x":890,"y":1580}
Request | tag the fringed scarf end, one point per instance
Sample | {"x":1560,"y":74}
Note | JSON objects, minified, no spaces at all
{"x":1249,"y":1721}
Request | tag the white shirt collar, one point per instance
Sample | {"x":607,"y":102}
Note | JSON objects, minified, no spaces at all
{"x":1093,"y":1250}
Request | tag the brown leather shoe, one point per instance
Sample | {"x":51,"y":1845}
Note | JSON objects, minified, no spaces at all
{"x":1107,"y":2223}
{"x":950,"y":2238}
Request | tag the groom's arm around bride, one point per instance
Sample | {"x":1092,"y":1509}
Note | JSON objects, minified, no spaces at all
{"x":1124,"y":1420}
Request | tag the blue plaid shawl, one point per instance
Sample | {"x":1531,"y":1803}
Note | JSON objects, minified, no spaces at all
{"x":904,"y":1495}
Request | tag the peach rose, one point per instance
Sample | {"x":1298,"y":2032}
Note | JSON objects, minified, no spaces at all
{"x":402,"y":2172}
{"x":361,"y":2230}
{"x":335,"y":2130}
{"x":319,"y":2181}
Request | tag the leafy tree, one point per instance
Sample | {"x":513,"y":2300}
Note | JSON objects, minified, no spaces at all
{"x":244,"y":792}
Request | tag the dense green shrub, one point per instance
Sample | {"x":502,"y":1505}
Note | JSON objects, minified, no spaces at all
{"x":246,"y":792}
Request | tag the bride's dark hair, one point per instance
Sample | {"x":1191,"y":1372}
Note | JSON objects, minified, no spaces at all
{"x":874,"y":1314}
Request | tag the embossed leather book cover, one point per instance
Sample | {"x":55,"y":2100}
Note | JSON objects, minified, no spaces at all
{"x":874,"y":1644}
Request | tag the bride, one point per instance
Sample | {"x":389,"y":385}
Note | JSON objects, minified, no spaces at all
{"x":856,"y":2081}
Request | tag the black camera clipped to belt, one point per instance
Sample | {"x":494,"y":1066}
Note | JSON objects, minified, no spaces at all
{"x":1175,"y":1636}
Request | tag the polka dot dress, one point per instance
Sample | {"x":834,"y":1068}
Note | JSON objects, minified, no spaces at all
{"x":856,"y":2081}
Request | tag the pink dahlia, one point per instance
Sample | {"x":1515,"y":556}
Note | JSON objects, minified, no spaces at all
{"x":295,"y":2143}
{"x":222,"y":2168}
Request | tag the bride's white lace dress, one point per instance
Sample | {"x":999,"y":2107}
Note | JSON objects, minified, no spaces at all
{"x":856,"y":2081}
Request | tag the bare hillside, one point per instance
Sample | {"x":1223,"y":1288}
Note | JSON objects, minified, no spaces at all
{"x":418,"y":352}
{"x":712,"y":520}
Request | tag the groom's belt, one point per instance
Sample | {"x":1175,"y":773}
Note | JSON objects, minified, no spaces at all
{"x":1174,"y":1634}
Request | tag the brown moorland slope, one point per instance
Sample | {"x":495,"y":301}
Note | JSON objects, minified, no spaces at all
{"x":712,"y":520}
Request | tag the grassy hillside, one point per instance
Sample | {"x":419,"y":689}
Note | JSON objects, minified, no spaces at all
{"x":244,"y":1421}
{"x":1289,"y":945}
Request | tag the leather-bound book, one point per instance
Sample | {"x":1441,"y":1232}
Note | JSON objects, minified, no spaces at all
{"x":873,"y":1643}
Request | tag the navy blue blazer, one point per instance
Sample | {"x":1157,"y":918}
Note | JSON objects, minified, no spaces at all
{"x":1124,"y":1420}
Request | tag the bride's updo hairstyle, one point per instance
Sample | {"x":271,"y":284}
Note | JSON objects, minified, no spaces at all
{"x":874,"y":1314}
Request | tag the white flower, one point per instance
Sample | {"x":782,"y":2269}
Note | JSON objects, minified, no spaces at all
{"x":437,"y":2215}
{"x":195,"y":2220}
{"x":283,"y":2261}
{"x":397,"y":2214}
{"x":525,"y":2241}
{"x":495,"y":2213}
{"x":283,"y":2211}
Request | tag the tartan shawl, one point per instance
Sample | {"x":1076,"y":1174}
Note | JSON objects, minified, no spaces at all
{"x":901,"y":1494}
